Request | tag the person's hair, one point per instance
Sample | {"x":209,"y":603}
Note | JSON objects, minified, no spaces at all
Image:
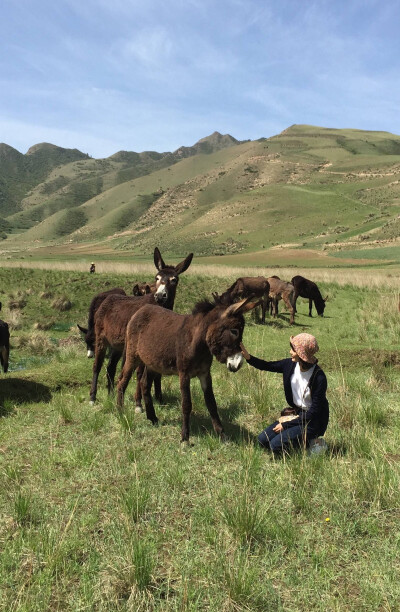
{"x":305,"y":364}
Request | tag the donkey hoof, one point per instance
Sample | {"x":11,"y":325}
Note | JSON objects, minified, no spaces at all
{"x":138,"y":410}
{"x":92,"y":403}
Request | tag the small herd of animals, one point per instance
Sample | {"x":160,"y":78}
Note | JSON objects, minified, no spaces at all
{"x":152,"y":340}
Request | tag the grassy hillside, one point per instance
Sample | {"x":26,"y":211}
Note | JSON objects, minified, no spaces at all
{"x":309,"y":188}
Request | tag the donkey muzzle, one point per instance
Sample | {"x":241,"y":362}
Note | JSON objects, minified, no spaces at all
{"x":235,"y":362}
{"x":90,"y":353}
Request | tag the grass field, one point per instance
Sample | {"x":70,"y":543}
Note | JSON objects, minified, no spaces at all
{"x":106,"y":512}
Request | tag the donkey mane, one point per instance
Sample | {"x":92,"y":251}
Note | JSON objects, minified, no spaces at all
{"x":203,"y":307}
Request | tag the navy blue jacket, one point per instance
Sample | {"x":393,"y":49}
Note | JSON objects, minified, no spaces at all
{"x":316,"y":417}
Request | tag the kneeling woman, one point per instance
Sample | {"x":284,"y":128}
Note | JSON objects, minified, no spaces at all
{"x":305,"y":387}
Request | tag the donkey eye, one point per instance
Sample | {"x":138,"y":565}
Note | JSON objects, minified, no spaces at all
{"x":235,"y":333}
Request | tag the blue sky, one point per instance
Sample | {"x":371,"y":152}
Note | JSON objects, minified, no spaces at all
{"x":111,"y":75}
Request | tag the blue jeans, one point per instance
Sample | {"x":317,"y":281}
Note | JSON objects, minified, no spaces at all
{"x":294,"y":436}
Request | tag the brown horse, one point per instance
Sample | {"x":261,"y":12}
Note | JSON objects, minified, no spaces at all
{"x":256,"y":287}
{"x":170,"y":343}
{"x":281,"y":290}
{"x":305,"y":288}
{"x":4,"y":344}
{"x":113,"y":315}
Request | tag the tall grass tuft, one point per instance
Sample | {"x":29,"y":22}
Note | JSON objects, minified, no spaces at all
{"x":245,"y":518}
{"x":246,"y":587}
{"x":135,"y":500}
{"x":24,"y":511}
{"x":132,"y":577}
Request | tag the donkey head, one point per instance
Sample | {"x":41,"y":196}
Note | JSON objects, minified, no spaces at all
{"x":224,"y":335}
{"x":89,"y":339}
{"x":167,"y":278}
{"x":320,"y":306}
{"x":143,"y":288}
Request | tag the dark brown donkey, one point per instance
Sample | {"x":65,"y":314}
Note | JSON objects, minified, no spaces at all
{"x":4,"y":344}
{"x":112,"y":317}
{"x":247,"y":286}
{"x":306,"y":288}
{"x":170,"y":343}
{"x":88,"y":332}
{"x":93,"y":308}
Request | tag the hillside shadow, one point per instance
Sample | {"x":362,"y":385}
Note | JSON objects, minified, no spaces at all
{"x":22,"y":391}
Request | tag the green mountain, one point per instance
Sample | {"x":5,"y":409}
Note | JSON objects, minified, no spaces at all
{"x":308,"y":188}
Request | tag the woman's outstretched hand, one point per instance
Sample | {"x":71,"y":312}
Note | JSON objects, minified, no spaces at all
{"x":245,"y":352}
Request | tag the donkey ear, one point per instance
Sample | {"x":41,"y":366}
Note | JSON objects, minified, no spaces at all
{"x":183,"y":265}
{"x":135,"y":289}
{"x":147,"y":288}
{"x":326,"y":299}
{"x":82,"y":329}
{"x":158,"y":260}
{"x":241,"y":307}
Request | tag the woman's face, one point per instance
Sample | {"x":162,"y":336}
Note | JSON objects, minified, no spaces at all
{"x":294,"y":355}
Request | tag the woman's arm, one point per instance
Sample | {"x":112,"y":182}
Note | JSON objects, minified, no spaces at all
{"x":260,"y":364}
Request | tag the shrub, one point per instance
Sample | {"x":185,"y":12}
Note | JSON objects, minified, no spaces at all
{"x":17,"y":304}
{"x":62,"y":304}
{"x":37,"y":342}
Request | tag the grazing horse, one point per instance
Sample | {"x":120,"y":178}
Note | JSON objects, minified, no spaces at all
{"x":4,"y":344}
{"x":170,"y":343}
{"x":113,"y":316}
{"x":308,"y":289}
{"x":143,"y":288}
{"x":256,"y":287}
{"x":93,"y":308}
{"x":279,"y":289}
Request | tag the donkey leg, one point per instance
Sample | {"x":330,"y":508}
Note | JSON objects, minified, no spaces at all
{"x":209,"y":398}
{"x":4,"y":358}
{"x":264,"y":302}
{"x":129,"y":366}
{"x":97,"y":365}
{"x":145,"y":383}
{"x":138,"y":392}
{"x":184,"y":383}
{"x":309,"y":307}
{"x":295,"y":296}
{"x":290,"y":308}
{"x":111,"y":368}
{"x":157,"y":388}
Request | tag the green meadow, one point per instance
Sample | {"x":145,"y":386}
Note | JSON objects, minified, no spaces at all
{"x":103,"y":511}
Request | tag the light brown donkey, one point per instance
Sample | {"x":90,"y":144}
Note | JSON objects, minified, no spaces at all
{"x":170,"y":343}
{"x":281,"y":290}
